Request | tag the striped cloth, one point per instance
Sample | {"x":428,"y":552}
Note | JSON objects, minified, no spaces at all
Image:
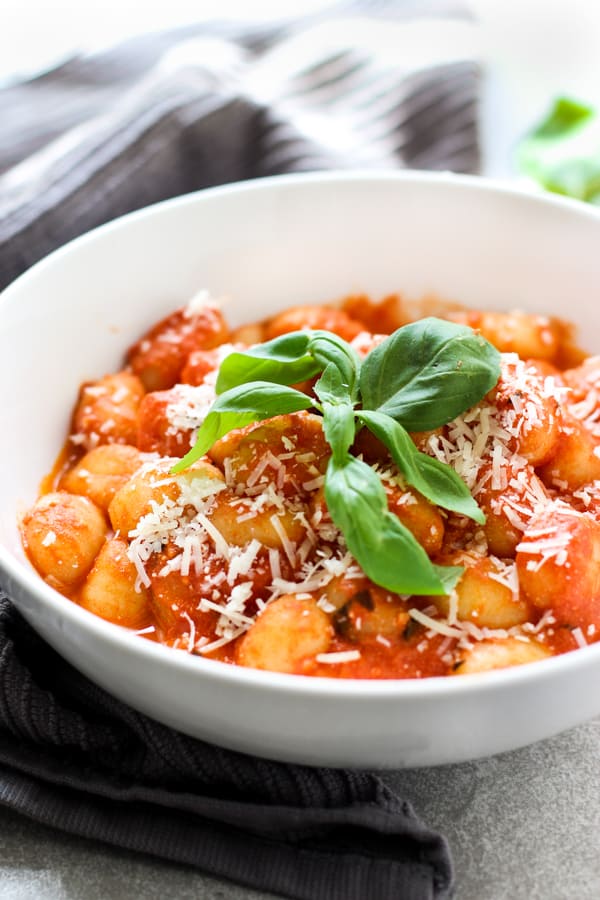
{"x":359,"y":84}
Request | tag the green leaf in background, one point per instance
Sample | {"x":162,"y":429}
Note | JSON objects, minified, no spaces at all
{"x":238,"y":407}
{"x":562,"y":153}
{"x":384,"y":548}
{"x":427,"y":373}
{"x":435,"y":480}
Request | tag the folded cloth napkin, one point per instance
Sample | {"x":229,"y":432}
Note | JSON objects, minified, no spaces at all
{"x":364,"y":85}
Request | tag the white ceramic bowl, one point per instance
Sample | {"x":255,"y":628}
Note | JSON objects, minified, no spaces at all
{"x":268,"y":244}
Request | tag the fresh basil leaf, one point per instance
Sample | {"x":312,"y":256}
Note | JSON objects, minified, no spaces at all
{"x":336,"y":358}
{"x":238,"y":407}
{"x":437,"y":481}
{"x":339,"y":427}
{"x":447,"y":489}
{"x":384,"y":548}
{"x":562,"y":153}
{"x":284,"y":360}
{"x":427,"y":373}
{"x":289,"y":359}
{"x":330,"y":388}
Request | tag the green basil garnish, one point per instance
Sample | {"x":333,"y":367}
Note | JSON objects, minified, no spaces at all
{"x":339,"y":427}
{"x":238,"y":407}
{"x":420,"y":377}
{"x":384,"y":548}
{"x":428,"y":373}
{"x":434,"y":479}
{"x":284,"y":360}
{"x":340,"y":364}
{"x":289,"y":359}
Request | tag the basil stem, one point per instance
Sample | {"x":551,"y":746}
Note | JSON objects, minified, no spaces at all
{"x":339,"y":428}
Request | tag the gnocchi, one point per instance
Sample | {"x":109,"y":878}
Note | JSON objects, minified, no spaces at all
{"x":240,"y":556}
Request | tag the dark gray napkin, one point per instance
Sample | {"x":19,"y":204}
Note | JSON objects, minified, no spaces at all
{"x":102,"y":135}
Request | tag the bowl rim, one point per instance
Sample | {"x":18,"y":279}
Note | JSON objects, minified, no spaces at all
{"x":432,"y":687}
{"x":526,"y":192}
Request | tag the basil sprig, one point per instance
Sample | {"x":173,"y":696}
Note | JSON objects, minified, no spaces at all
{"x":420,"y":377}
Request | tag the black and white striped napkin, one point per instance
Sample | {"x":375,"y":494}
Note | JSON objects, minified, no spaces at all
{"x":371,"y":84}
{"x":360,"y":84}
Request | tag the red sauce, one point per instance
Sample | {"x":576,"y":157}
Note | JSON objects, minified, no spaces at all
{"x":375,"y":631}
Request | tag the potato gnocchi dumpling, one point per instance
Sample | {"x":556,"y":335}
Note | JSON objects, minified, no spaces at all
{"x":240,"y":556}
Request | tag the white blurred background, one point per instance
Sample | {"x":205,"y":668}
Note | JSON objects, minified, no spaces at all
{"x":531,"y":50}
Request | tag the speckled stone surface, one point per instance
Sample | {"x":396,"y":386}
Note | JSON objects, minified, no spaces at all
{"x":522,"y":826}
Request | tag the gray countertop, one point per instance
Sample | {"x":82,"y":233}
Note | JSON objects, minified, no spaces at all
{"x":521,"y":826}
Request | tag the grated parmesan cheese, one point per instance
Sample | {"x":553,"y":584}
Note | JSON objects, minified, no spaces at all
{"x":434,"y":624}
{"x":579,"y":637}
{"x":343,"y":656}
{"x":289,"y":548}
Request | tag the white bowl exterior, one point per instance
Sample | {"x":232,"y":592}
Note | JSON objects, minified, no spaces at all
{"x":266,"y":245}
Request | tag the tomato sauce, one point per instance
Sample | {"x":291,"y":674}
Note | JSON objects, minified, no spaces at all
{"x":239,"y":560}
